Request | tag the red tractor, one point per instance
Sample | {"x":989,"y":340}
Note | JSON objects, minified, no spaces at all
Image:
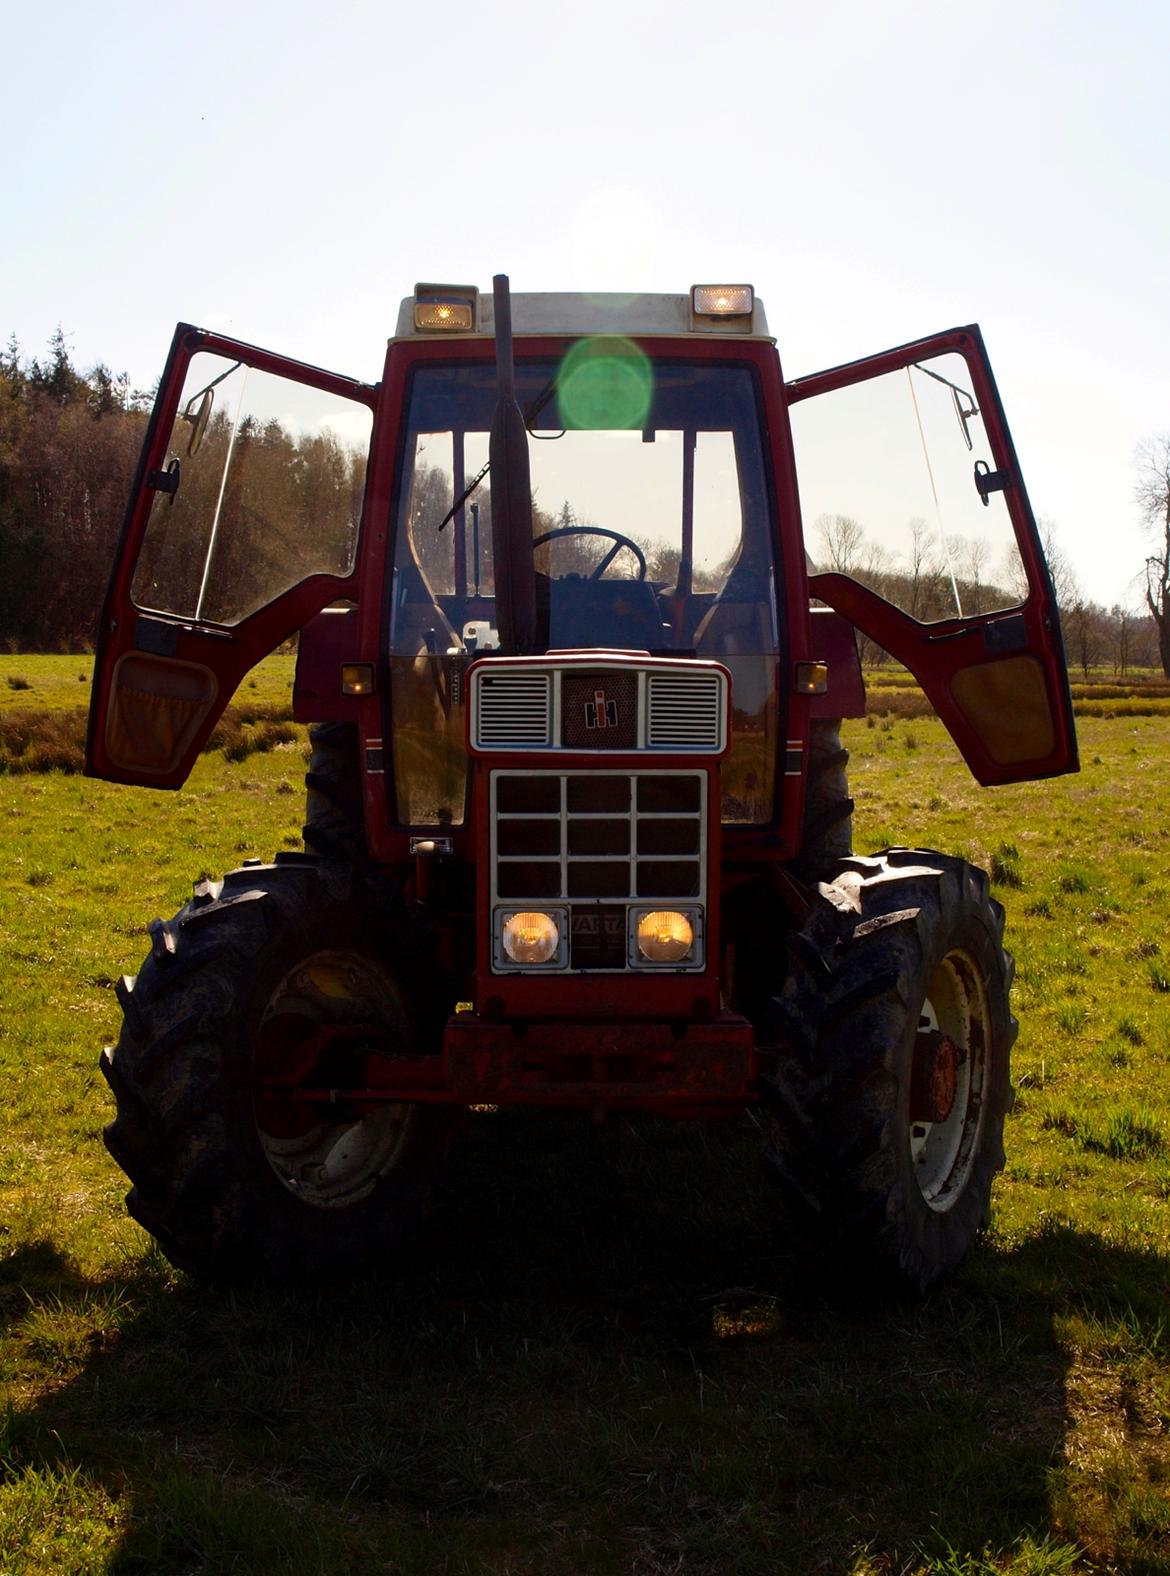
{"x":578,"y":824}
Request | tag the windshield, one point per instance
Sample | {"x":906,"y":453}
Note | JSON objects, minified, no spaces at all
{"x":651,"y":529}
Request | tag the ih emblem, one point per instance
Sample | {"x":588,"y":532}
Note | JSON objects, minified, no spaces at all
{"x":599,"y":712}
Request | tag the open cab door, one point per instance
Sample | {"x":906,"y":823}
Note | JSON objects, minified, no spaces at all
{"x":243,"y":522}
{"x":917,"y":519}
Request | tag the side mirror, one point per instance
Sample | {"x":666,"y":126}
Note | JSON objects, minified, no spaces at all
{"x":197,"y":415}
{"x":198,"y":419}
{"x":966,"y":410}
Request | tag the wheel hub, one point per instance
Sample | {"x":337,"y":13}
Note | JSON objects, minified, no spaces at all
{"x":323,"y":1020}
{"x":934,"y":1078}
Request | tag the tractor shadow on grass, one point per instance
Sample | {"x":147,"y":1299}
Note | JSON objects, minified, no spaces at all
{"x":599,"y":1363}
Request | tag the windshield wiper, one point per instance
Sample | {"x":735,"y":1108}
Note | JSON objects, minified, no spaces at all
{"x":464,"y":496}
{"x":537,"y":403}
{"x":531,"y":411}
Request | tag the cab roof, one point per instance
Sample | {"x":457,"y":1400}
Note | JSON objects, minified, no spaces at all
{"x":610,"y":312}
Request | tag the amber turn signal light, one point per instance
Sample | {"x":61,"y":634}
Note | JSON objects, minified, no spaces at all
{"x":357,"y":678}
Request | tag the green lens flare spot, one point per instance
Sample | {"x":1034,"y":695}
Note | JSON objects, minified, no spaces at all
{"x":605,"y":382}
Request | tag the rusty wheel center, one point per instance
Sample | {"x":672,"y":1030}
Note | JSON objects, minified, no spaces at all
{"x":934,"y":1079}
{"x":948,"y":1071}
{"x":322,"y":1020}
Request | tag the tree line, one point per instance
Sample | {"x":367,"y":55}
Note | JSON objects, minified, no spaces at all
{"x":69,"y":442}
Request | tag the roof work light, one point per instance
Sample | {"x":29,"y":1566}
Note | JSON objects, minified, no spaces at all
{"x":722,"y":300}
{"x":450,"y":308}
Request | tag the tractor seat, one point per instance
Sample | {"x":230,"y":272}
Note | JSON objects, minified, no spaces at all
{"x":580,"y":612}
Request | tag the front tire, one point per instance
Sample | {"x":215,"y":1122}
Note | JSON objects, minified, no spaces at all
{"x":888,"y":1104}
{"x":278,"y":973}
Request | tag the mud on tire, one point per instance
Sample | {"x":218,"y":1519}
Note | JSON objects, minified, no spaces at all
{"x":235,"y":1181}
{"x":888,"y":1105}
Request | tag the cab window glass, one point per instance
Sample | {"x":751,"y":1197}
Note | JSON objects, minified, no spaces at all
{"x":889,"y":496}
{"x":270,"y":479}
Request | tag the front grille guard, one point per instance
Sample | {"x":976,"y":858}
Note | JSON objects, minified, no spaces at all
{"x":601,"y":847}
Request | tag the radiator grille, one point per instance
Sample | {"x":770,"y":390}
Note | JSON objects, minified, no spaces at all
{"x":603,"y":707}
{"x":514,"y":710}
{"x":684,"y":711}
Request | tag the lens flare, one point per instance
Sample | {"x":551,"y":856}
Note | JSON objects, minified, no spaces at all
{"x":604,"y":383}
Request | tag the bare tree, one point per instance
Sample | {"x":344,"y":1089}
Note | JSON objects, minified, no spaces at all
{"x":927,"y":572}
{"x":1013,"y":575}
{"x":1063,"y":575}
{"x":841,"y":537}
{"x":1086,"y":632}
{"x":1153,"y":499}
{"x":848,"y":551}
{"x":1143,"y":651}
{"x":1132,"y":636}
{"x":977,"y":551}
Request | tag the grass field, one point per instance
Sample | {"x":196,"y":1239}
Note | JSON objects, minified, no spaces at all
{"x":600,"y":1362}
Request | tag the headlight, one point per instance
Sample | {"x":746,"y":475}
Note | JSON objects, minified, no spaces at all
{"x":530,"y":937}
{"x":665,"y":936}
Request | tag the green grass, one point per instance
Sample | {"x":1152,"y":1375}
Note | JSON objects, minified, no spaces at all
{"x":601,"y":1362}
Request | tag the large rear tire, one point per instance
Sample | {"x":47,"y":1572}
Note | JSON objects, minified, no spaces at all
{"x":754,"y":914}
{"x":335,"y":825}
{"x":888,"y":1105}
{"x":281,"y":972}
{"x":827,"y":837}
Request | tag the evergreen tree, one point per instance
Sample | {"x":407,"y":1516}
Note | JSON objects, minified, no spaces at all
{"x":59,"y":380}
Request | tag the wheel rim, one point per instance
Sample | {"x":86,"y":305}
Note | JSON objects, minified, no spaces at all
{"x":950,"y":1059}
{"x":323,"y":1017}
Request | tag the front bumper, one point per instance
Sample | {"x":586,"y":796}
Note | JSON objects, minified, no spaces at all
{"x":700,"y":1067}
{"x":646,"y":1066}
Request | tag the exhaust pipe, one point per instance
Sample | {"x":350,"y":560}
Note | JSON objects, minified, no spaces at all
{"x":511,"y":495}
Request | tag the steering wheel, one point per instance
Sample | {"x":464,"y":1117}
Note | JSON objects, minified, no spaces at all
{"x":619,"y":541}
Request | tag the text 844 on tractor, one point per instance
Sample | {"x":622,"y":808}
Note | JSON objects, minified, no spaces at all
{"x":578,"y":587}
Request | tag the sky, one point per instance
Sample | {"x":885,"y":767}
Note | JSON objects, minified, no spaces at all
{"x":285,"y":173}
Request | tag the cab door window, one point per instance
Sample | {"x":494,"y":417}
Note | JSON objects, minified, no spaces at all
{"x":886,"y":471}
{"x":263,"y":488}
